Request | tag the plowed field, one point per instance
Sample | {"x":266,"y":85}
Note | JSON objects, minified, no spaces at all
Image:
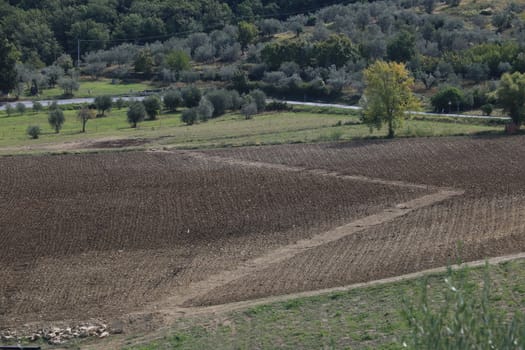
{"x":487,"y":220}
{"x":96,"y":236}
{"x":104,"y":235}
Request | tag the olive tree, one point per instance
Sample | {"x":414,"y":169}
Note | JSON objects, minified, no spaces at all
{"x":68,"y":85}
{"x":103,"y":104}
{"x":20,"y":108}
{"x":204,"y":109}
{"x":249,"y":110}
{"x":84,"y":115}
{"x":259,"y":98}
{"x":37,"y":107}
{"x":191,"y":96}
{"x":136,"y":113}
{"x":152,"y":105}
{"x":172,"y":99}
{"x":189,"y":116}
{"x":56,"y":119}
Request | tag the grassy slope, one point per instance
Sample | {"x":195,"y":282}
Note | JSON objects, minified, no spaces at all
{"x":92,"y":88}
{"x":304,"y":125}
{"x":365,"y":318}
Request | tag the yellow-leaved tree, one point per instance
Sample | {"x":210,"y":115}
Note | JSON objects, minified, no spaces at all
{"x":388,"y":95}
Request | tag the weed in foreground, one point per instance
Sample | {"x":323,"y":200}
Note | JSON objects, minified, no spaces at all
{"x":465,"y":319}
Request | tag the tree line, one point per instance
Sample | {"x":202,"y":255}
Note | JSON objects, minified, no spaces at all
{"x":323,"y":54}
{"x":198,"y":106}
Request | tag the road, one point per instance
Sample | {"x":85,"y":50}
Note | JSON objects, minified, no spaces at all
{"x":29,"y":104}
{"x":45,"y":103}
{"x":356,"y":108}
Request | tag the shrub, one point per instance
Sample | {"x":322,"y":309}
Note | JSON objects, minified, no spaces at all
{"x":34,"y":131}
{"x":221,"y":101}
{"x":103,"y":104}
{"x":20,"y":108}
{"x":189,"y":116}
{"x":152,"y":105}
{"x":84,"y":115}
{"x":56,"y":119}
{"x":9,"y":110}
{"x":172,"y":99}
{"x":136,"y":113}
{"x":68,"y":85}
{"x":259,"y":98}
{"x":189,"y":76}
{"x":37,"y":107}
{"x":191,"y":96}
{"x":447,"y":99}
{"x":278,"y":106}
{"x":204,"y":109}
{"x":249,"y":110}
{"x":487,"y":109}
{"x":120,"y":103}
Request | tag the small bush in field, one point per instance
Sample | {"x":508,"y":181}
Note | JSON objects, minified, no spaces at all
{"x":34,"y":131}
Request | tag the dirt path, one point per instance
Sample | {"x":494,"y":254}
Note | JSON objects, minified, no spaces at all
{"x":193,"y":311}
{"x":318,"y":172}
{"x":181,"y":302}
{"x":172,"y":305}
{"x":119,"y":342}
{"x":175,"y":305}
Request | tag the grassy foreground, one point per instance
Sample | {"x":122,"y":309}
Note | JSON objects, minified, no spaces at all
{"x":297,"y":126}
{"x":365,"y":318}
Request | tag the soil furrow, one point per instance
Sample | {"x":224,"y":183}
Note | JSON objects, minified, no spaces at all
{"x":172,"y":304}
{"x":318,"y":172}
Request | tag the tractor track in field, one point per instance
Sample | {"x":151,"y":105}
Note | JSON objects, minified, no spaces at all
{"x":290,"y":168}
{"x":180,"y":302}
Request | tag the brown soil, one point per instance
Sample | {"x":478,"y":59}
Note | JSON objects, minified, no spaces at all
{"x":118,"y":143}
{"x":486,"y":221}
{"x":100,"y":235}
{"x":150,"y":234}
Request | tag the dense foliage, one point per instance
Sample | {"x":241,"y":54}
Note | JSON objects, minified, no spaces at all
{"x":288,"y":49}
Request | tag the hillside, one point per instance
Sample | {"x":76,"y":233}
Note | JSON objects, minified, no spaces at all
{"x":288,"y":49}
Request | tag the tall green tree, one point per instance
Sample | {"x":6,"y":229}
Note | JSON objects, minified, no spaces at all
{"x":511,"y":95}
{"x":388,"y":95}
{"x":8,"y":58}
